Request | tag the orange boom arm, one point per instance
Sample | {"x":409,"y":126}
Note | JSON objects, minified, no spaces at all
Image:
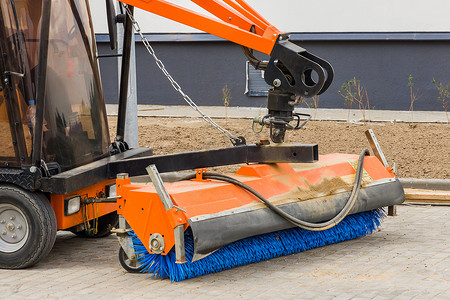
{"x":236,"y":20}
{"x":291,"y":70}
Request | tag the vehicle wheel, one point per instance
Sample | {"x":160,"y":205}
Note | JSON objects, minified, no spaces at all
{"x":27,"y":227}
{"x":105,"y":224}
{"x":130,"y":265}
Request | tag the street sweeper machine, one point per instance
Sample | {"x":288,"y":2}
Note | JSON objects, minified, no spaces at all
{"x":60,"y":171}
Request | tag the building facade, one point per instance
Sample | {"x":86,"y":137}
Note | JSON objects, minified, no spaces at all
{"x":380,"y":43}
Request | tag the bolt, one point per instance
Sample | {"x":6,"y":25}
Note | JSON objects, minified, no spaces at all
{"x":155,"y":244}
{"x":11,"y":227}
{"x":12,"y":218}
{"x":33,"y":169}
{"x":14,"y":235}
{"x":277,"y":82}
{"x":122,"y":176}
{"x":19,"y":226}
{"x":4,"y":232}
{"x":2,"y":221}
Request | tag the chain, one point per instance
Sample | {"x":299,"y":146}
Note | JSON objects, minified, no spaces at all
{"x":234,"y":139}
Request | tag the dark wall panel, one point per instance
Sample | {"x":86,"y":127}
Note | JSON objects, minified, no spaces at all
{"x":383,"y":68}
{"x":204,"y":68}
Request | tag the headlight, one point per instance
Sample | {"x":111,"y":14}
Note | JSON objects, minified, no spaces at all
{"x":111,"y":190}
{"x":72,"y":205}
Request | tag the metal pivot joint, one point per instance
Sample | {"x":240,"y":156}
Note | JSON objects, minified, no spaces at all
{"x":156,"y":241}
{"x":157,"y":244}
{"x":294,"y":70}
{"x":295,"y":74}
{"x":281,"y":112}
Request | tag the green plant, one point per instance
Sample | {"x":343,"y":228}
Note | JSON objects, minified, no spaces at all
{"x":313,"y":103}
{"x":444,"y":95}
{"x":226,"y":98}
{"x":353,"y":92}
{"x":413,"y":97}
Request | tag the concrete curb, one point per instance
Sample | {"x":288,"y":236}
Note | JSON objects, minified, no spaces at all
{"x":321,"y":114}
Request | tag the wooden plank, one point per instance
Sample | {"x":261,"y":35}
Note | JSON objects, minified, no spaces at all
{"x":427,"y":196}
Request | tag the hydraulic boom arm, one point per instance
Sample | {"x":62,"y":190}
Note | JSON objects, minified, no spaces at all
{"x":234,"y":23}
{"x":291,"y":70}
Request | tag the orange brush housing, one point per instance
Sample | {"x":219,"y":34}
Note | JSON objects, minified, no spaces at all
{"x":200,"y":200}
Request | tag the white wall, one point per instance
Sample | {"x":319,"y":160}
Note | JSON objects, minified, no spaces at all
{"x":318,"y":16}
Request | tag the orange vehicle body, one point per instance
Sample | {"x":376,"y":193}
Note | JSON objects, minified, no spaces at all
{"x":88,"y":212}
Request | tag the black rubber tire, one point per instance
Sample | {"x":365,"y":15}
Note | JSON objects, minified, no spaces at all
{"x":127,"y":264}
{"x":40,"y":224}
{"x":105,"y":224}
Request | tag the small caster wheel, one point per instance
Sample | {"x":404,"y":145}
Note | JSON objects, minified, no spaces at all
{"x":130,"y":265}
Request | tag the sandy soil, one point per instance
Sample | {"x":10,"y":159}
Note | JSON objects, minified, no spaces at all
{"x":420,"y":150}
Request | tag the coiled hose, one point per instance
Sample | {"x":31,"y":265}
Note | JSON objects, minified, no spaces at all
{"x":293,"y":220}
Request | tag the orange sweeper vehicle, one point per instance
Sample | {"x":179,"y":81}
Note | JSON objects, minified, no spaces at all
{"x":59,"y":170}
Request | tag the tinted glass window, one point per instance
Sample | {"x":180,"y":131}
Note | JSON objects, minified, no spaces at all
{"x":76,"y":125}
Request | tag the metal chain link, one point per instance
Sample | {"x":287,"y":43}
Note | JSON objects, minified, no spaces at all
{"x":234,"y":139}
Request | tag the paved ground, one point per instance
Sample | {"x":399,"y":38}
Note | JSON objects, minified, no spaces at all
{"x":409,"y":258}
{"x":319,"y":114}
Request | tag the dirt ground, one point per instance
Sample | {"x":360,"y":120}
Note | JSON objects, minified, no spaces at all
{"x":419,"y":151}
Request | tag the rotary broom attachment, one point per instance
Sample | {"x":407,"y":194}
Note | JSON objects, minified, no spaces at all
{"x":209,"y":222}
{"x":253,"y":249}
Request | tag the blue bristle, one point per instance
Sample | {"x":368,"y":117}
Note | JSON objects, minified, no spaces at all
{"x":254,"y":249}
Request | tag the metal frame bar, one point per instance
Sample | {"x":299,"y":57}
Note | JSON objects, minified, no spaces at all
{"x":124,"y":78}
{"x":42,"y":78}
{"x":376,"y":148}
{"x":180,"y":252}
{"x":130,"y":162}
{"x":292,"y":153}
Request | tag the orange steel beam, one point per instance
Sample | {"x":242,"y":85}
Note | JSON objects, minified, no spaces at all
{"x":263,"y":40}
{"x":251,"y":10}
{"x":258,"y":20}
{"x":227,"y":14}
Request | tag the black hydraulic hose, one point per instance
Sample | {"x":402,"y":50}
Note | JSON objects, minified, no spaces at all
{"x":297,"y":222}
{"x":256,"y":63}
